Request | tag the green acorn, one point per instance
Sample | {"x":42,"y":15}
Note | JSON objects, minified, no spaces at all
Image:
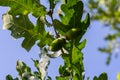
{"x":73,"y":33}
{"x":57,"y":44}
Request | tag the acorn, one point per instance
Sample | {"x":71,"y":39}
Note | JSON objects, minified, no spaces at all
{"x":57,"y":44}
{"x":72,"y":33}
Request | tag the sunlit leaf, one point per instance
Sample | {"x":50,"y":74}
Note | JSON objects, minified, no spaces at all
{"x":68,"y":13}
{"x":24,"y":7}
{"x":62,"y":78}
{"x":46,"y":38}
{"x":82,"y":44}
{"x":21,"y":26}
{"x":71,"y":3}
{"x":76,"y":55}
{"x":66,"y":58}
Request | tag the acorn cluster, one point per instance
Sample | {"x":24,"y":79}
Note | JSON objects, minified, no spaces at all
{"x":58,"y":43}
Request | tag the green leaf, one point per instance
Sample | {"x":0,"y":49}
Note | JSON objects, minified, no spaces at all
{"x":102,"y":76}
{"x":46,"y":38}
{"x":60,"y":26}
{"x":36,"y":62}
{"x":68,"y":14}
{"x":22,"y":68}
{"x":76,"y":18}
{"x":86,"y":22}
{"x":64,"y":71}
{"x":62,"y":78}
{"x":61,"y":70}
{"x":76,"y":55}
{"x":110,"y":37}
{"x":75,"y":78}
{"x":66,"y":58}
{"x":40,"y":29}
{"x":77,"y":62}
{"x":82,"y":44}
{"x":49,"y":78}
{"x":95,"y":78}
{"x":52,"y":4}
{"x":83,"y":26}
{"x":24,"y":7}
{"x":21,"y":26}
{"x":9,"y":77}
{"x":29,"y":41}
{"x":77,"y":73}
{"x":71,"y":3}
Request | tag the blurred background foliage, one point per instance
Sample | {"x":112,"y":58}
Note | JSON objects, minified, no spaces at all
{"x":108,"y":12}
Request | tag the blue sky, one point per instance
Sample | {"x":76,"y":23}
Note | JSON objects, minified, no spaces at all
{"x":94,"y":61}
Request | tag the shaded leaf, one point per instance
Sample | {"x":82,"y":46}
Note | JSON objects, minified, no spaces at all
{"x":83,"y":26}
{"x":78,"y":11}
{"x":40,"y":29}
{"x":102,"y":76}
{"x":60,"y":26}
{"x":95,"y":78}
{"x":9,"y":77}
{"x":52,"y":4}
{"x":86,"y":21}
